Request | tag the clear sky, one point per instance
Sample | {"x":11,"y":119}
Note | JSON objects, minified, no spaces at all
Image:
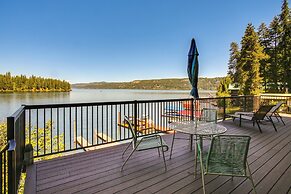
{"x":123,"y":40}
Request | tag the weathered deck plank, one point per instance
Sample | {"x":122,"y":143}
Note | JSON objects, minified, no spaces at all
{"x":98,"y":171}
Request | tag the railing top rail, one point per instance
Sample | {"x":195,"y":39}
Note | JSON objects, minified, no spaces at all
{"x":97,"y":103}
{"x":275,"y":95}
{"x":224,"y":97}
{"x":17,"y":113}
{"x":64,"y":105}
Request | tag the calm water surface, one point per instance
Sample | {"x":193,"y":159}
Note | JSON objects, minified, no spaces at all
{"x":10,"y":102}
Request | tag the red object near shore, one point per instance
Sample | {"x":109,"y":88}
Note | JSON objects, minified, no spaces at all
{"x":188,"y":113}
{"x":187,"y":105}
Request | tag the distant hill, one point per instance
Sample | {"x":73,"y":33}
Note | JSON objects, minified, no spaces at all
{"x":154,"y":84}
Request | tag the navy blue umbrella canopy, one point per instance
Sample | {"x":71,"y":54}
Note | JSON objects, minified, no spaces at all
{"x":193,"y":68}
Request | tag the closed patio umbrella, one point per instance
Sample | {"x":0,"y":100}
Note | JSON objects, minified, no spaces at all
{"x":193,"y":68}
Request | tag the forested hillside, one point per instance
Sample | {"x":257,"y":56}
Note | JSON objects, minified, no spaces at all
{"x":155,"y":84}
{"x":9,"y":83}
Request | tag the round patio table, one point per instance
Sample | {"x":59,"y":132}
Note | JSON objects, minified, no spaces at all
{"x":200,"y":129}
{"x":196,"y":128}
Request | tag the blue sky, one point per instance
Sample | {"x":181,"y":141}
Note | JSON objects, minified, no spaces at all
{"x":123,"y":40}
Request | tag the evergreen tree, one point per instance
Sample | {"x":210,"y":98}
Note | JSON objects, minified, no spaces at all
{"x":264,"y":38}
{"x":274,"y":69}
{"x":285,"y":46}
{"x":264,"y":56}
{"x":250,"y":56}
{"x":222,"y":89}
{"x":233,"y":70}
{"x":10,"y":83}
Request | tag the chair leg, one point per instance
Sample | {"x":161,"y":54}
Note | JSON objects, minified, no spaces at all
{"x":195,"y":164}
{"x":164,"y":158}
{"x":202,"y":176}
{"x":159,"y":152}
{"x":273,"y":124}
{"x":126,"y":149}
{"x":191,"y":142}
{"x":281,"y":118}
{"x":259,"y":126}
{"x":174,"y":134}
{"x":277,"y":118}
{"x":128,"y":158}
{"x":250,"y":177}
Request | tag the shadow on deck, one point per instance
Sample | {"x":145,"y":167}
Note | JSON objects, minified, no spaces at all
{"x":98,"y":171}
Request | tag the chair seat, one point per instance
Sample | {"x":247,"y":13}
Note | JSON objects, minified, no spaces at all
{"x":221,"y":167}
{"x":150,"y":143}
{"x":245,"y":113}
{"x":245,"y":117}
{"x":144,"y":143}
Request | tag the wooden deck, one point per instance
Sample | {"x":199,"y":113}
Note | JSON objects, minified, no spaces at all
{"x":98,"y":171}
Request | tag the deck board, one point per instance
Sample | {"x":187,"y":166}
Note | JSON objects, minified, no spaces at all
{"x":98,"y":171}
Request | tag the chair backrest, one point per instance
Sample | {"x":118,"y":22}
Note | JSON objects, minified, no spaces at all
{"x":209,"y":115}
{"x":275,"y":108}
{"x":231,"y":150}
{"x":130,"y":127}
{"x":262,"y":112}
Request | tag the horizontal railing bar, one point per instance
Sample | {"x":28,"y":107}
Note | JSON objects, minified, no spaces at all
{"x":96,"y":103}
{"x":119,"y":102}
{"x":17,"y":113}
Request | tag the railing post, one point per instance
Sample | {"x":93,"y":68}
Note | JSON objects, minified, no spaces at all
{"x":192,"y":108}
{"x":245,"y":103}
{"x":135,"y":117}
{"x":224,"y":108}
{"x":11,"y":158}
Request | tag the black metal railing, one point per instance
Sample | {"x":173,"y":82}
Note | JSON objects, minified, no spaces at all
{"x":16,"y":140}
{"x":58,"y":128}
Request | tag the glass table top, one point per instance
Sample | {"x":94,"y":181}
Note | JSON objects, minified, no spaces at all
{"x":198,"y":128}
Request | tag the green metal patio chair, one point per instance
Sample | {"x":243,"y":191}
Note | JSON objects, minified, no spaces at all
{"x":226,"y":156}
{"x":209,"y":115}
{"x":144,"y":143}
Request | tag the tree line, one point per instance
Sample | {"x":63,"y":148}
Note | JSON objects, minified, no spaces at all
{"x":19,"y":83}
{"x":154,"y":84}
{"x":261,"y":63}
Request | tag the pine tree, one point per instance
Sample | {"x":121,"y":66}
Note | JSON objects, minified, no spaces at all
{"x":274,"y":69}
{"x":33,"y":83}
{"x":264,"y":38}
{"x":233,"y":70}
{"x":285,"y":46}
{"x":222,"y":89}
{"x":250,"y":56}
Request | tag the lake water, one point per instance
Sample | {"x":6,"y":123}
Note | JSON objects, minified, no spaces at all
{"x":10,"y":102}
